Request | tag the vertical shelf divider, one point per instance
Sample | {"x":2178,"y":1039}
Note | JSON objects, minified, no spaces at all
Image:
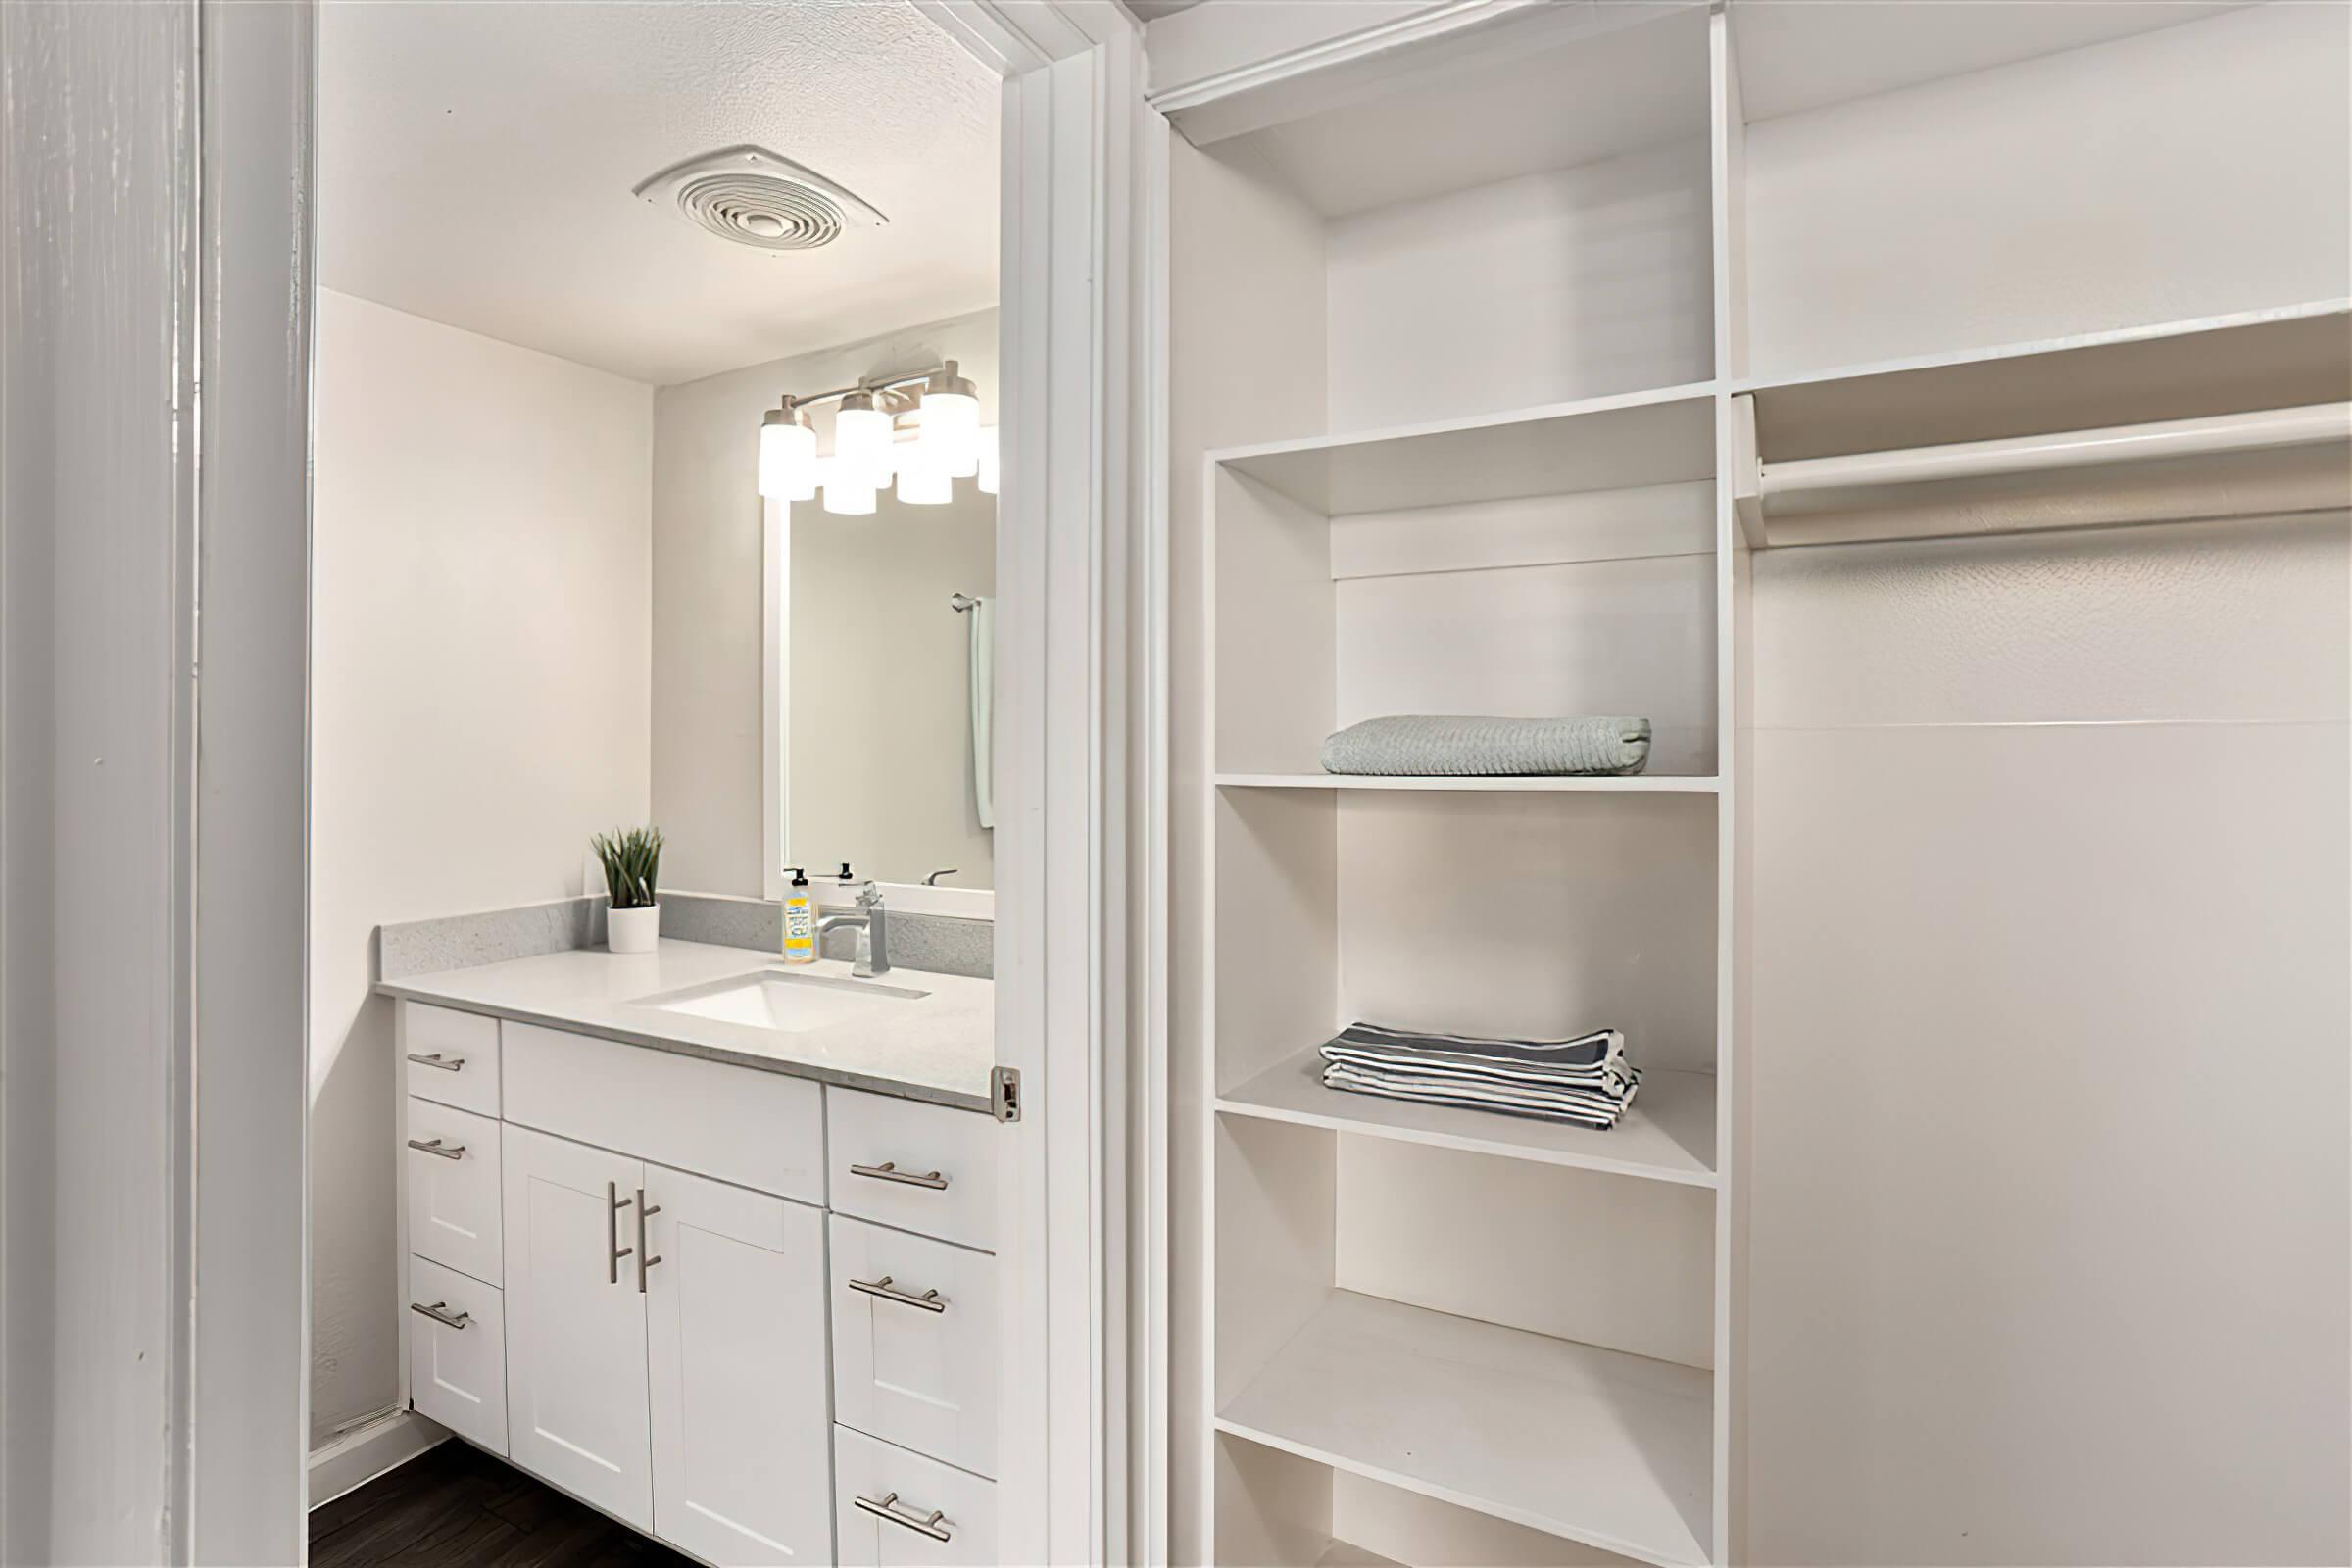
{"x":1727,"y":161}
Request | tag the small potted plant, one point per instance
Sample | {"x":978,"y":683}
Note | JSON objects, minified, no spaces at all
{"x":632,"y":859}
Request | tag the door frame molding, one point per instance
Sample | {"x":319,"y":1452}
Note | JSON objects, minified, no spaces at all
{"x":1081,"y":747}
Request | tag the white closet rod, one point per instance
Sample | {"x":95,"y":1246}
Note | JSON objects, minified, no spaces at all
{"x":2312,"y":426}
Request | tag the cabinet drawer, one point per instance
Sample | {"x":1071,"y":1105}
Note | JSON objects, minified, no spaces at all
{"x":450,"y":1056}
{"x":456,"y":1330}
{"x":892,"y":1506}
{"x":453,"y":1189}
{"x":912,"y":1367}
{"x":756,"y":1129}
{"x":925,"y":1168}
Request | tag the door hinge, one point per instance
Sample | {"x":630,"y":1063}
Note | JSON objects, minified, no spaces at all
{"x":1005,"y":1093}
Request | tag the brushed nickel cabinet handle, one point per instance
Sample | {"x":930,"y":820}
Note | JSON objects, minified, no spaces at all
{"x":436,"y":1060}
{"x":645,"y":1211}
{"x":888,"y":1171}
{"x":439,"y":1313}
{"x":887,"y":1507}
{"x":929,"y":1300}
{"x":437,"y":1147}
{"x":613,"y":1250}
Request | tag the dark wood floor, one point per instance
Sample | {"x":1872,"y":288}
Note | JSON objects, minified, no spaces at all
{"x":457,"y":1507}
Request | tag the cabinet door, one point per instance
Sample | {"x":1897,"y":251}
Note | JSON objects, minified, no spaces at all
{"x":576,"y":1406}
{"x":914,"y":1343}
{"x":735,"y":1308}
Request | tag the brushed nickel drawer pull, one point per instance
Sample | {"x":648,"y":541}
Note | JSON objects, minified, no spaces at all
{"x":439,"y":1313}
{"x":436,"y":1060}
{"x":888,"y":1171}
{"x":888,"y":1508}
{"x":437,"y":1147}
{"x":645,"y":1211}
{"x":613,"y":1250}
{"x":929,"y":1300}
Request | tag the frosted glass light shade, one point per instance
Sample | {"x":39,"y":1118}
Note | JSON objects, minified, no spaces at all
{"x":787,"y":458}
{"x":988,"y":461}
{"x":846,"y":491}
{"x":850,"y":498}
{"x":923,"y":482}
{"x":861,"y":440}
{"x":950,"y":436}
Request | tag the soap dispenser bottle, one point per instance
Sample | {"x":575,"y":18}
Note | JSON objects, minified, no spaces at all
{"x":800,"y":919}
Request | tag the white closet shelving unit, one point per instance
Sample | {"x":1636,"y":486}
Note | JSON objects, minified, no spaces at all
{"x":1517,"y":326}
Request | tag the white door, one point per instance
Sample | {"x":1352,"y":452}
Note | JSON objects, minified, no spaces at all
{"x":735,"y":1306}
{"x":576,"y":1408}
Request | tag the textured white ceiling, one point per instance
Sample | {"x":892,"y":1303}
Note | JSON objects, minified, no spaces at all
{"x":475,"y":160}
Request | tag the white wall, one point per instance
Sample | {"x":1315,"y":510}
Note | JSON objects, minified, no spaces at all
{"x":481,"y":638}
{"x":708,"y":624}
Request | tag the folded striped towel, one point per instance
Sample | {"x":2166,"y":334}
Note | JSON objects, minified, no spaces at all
{"x":1585,"y":1080}
{"x":1467,"y":746}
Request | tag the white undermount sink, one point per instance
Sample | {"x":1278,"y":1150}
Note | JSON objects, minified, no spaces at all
{"x":786,"y":1001}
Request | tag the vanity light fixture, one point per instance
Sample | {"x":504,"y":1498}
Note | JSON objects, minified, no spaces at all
{"x":921,"y":431}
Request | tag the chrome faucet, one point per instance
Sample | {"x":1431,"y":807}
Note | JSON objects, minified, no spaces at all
{"x":871,"y":922}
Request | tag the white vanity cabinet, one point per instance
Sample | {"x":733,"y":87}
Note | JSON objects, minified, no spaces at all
{"x":627,"y":1284}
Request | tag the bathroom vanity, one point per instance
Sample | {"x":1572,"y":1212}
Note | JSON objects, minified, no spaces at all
{"x":709,"y":1244}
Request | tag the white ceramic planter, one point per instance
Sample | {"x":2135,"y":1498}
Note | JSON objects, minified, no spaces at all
{"x":632,"y":930}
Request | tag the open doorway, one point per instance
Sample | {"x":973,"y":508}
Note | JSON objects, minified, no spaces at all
{"x":577,"y":267}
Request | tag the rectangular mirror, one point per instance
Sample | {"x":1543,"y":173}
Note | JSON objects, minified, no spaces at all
{"x":885,"y":670}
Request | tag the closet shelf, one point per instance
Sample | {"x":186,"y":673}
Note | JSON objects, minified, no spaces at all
{"x":1667,"y":1134}
{"x":1638,"y":784}
{"x":2275,"y":358}
{"x":1590,"y":1445}
{"x":1662,"y":436}
{"x":1347,"y":1554}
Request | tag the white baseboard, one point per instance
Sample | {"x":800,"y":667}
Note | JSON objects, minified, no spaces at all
{"x":353,"y":1458}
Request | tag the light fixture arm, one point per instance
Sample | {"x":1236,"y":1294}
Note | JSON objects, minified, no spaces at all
{"x":879,"y":386}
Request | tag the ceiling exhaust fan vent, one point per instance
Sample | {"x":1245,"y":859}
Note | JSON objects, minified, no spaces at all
{"x":753,"y":197}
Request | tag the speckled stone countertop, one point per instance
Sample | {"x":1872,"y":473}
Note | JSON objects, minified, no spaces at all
{"x":937,"y":1048}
